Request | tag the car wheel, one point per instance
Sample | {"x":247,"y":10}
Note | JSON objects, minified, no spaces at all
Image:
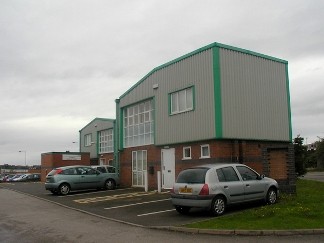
{"x":110,"y":184}
{"x":218,"y":206}
{"x":271,"y":196}
{"x":64,"y":189}
{"x":182,"y":209}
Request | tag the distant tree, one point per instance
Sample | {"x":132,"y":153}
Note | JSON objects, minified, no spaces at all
{"x":311,"y":159}
{"x":300,"y":155}
{"x":320,"y":154}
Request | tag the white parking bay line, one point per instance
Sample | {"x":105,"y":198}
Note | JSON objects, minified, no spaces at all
{"x":134,"y":204}
{"x":145,"y":214}
{"x":85,"y":192}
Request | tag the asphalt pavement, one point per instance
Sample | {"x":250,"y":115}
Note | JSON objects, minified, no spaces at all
{"x":134,"y":206}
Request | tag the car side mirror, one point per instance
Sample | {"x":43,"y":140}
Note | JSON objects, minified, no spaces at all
{"x":261,"y":177}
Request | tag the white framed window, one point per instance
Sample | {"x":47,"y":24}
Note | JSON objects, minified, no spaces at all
{"x":106,"y":141}
{"x":186,"y":153}
{"x":88,"y":139}
{"x":182,"y":101}
{"x":138,"y":124}
{"x":204,"y":151}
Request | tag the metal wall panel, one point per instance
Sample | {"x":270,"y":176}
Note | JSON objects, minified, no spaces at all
{"x":254,"y":97}
{"x":196,"y":71}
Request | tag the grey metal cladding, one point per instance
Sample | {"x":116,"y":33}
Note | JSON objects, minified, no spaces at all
{"x":254,"y":97}
{"x":194,"y":71}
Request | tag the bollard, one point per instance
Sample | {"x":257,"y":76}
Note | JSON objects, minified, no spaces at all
{"x":145,"y":181}
{"x":159,"y":181}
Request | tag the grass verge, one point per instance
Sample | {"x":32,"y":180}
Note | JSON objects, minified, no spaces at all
{"x":302,"y":211}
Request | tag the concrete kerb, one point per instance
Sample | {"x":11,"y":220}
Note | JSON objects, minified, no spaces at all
{"x":195,"y":230}
{"x":241,"y":232}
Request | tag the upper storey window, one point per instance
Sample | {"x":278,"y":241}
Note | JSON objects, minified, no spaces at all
{"x":182,"y":101}
{"x":138,"y":124}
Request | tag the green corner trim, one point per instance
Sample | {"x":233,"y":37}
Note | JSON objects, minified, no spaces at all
{"x":288,"y":103}
{"x":218,"y":94}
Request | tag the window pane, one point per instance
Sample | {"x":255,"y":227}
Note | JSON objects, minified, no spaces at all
{"x":139,"y":122}
{"x":205,"y":151}
{"x":141,"y":108}
{"x":220,"y":175}
{"x":130,"y":111}
{"x":174,"y":101}
{"x":189,"y":99}
{"x":147,"y":116}
{"x":187,"y":152}
{"x":246,"y":173}
{"x":230,"y":174}
{"x":147,"y":139}
{"x":147,"y":127}
{"x":182,"y":100}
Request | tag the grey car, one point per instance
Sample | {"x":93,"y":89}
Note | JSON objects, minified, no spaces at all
{"x":215,"y":186}
{"x":62,"y":180}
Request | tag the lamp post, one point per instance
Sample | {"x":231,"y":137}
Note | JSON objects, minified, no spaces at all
{"x":23,"y":151}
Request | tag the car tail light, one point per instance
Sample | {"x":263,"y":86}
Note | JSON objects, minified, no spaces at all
{"x":58,"y":171}
{"x":204,"y":191}
{"x":172,"y":190}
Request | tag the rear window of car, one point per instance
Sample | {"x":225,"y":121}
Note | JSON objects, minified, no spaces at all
{"x":192,"y":176}
{"x":227,"y":174}
{"x":52,"y":172}
{"x":111,"y":169}
{"x":108,"y":169}
{"x":101,"y":169}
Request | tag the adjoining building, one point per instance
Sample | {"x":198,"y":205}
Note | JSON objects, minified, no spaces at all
{"x":97,"y":138}
{"x":216,"y":104}
{"x":53,"y":160}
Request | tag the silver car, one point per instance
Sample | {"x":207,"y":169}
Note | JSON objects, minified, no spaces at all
{"x":217,"y":185}
{"x":62,"y":180}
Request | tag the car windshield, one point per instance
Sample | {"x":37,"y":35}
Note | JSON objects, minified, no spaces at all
{"x":192,"y":176}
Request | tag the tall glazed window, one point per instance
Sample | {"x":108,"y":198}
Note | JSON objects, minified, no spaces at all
{"x":106,"y":141}
{"x":139,"y":124}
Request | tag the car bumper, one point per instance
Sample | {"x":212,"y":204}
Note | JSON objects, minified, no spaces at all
{"x":51,"y":186}
{"x":191,"y":201}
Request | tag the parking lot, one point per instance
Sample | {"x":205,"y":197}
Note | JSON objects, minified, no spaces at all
{"x":130,"y":205}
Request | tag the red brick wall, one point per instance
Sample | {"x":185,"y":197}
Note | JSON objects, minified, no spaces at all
{"x":50,"y":161}
{"x":230,"y":151}
{"x":278,"y":170}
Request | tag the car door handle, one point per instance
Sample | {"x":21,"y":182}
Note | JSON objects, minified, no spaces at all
{"x":247,"y":185}
{"x":225,"y":187}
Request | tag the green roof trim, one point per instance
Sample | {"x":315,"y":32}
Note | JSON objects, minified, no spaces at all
{"x":218,"y":94}
{"x":213,"y":45}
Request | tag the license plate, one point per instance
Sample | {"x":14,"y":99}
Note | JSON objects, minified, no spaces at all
{"x":185,"y":190}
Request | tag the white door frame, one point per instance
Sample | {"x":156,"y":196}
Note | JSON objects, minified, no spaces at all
{"x":168,"y":167}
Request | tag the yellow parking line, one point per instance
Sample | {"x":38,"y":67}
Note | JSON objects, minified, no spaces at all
{"x":114,"y":197}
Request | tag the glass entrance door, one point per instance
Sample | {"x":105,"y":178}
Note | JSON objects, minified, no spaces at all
{"x":139,"y":165}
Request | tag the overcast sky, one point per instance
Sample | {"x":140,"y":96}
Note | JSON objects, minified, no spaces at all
{"x":64,"y":62}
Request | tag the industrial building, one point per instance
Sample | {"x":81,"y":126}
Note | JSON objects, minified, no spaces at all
{"x":97,"y":138}
{"x":216,"y":104}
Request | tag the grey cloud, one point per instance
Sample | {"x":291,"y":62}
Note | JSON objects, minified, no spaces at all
{"x":63,"y":63}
